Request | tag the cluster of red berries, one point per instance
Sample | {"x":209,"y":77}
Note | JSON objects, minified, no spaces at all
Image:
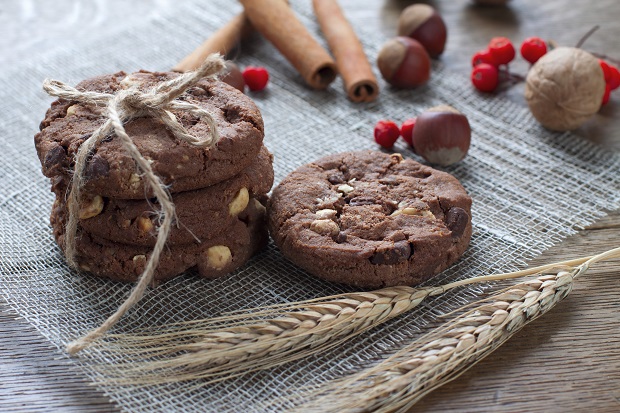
{"x":500,"y":51}
{"x":387,"y":132}
{"x":612,"y":79}
{"x":255,"y":78}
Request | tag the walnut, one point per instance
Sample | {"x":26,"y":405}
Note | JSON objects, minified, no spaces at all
{"x":565,"y":88}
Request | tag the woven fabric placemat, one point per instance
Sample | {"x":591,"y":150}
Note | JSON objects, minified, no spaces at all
{"x":531,"y":188}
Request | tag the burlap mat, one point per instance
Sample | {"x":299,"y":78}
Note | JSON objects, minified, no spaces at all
{"x":531,"y":188}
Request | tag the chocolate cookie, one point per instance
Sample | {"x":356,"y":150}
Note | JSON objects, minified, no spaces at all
{"x":220,"y":255}
{"x":200,"y":213}
{"x":111,"y":172}
{"x":370,"y":219}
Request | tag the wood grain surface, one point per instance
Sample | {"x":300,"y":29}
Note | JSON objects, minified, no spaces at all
{"x":567,"y":361}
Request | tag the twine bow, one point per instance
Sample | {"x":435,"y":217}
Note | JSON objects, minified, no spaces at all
{"x":121,"y":107}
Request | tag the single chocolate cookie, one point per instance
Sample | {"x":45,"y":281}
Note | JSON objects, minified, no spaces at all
{"x":111,"y":172}
{"x":220,"y":255}
{"x":200,"y":213}
{"x":370,"y":219}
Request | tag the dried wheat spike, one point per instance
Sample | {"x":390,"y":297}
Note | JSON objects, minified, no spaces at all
{"x":226,"y":346}
{"x":403,"y":379}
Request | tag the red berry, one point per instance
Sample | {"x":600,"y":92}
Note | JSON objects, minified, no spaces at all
{"x":533,"y":48}
{"x":502,"y":50}
{"x":606,"y":95}
{"x":614,"y":79}
{"x":386,"y":133}
{"x":485,"y":77}
{"x":406,"y":130}
{"x":606,"y":70}
{"x":483,"y":56}
{"x":255,"y":77}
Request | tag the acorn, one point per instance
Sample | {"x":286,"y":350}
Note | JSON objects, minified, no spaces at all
{"x":441,"y":135}
{"x":422,"y":23}
{"x":404,"y":63}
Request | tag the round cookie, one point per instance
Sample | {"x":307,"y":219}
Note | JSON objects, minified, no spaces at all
{"x":111,"y":172}
{"x":370,"y":219}
{"x":218,"y":256}
{"x":200,"y":213}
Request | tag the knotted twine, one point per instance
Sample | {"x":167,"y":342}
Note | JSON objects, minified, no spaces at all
{"x":121,"y":107}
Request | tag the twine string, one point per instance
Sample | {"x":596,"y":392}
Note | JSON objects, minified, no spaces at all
{"x":121,"y":107}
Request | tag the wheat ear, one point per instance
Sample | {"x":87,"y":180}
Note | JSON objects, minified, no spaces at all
{"x":223,"y":347}
{"x":400,"y":381}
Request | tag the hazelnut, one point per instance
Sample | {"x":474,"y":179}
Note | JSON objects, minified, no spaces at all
{"x":139,"y":262}
{"x":218,"y":256}
{"x":442,"y":135}
{"x":91,"y":207}
{"x":232,"y":75}
{"x":326,"y":213}
{"x":403,"y":62}
{"x":414,"y":212}
{"x":422,"y":23}
{"x":345,"y":189}
{"x":71,"y":110}
{"x":139,"y":259}
{"x":564,"y":88}
{"x":134,"y":181}
{"x":239,"y":202}
{"x":396,"y":157}
{"x":325,"y":227}
{"x":144,"y":224}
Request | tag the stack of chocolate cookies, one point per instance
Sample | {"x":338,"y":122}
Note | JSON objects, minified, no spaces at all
{"x":218,"y":192}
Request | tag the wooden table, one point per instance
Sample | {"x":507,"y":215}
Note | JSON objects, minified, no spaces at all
{"x":569,"y":360}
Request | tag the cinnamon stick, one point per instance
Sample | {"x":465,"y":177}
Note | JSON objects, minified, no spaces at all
{"x":222,"y":41}
{"x":359,"y":81}
{"x":275,"y":20}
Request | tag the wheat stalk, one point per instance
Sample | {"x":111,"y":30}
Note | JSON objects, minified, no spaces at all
{"x":223,"y":347}
{"x":400,"y":381}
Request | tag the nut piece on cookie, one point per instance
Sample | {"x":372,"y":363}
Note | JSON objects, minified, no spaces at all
{"x":345,"y":189}
{"x":144,"y":224}
{"x":91,"y":207}
{"x":326,"y":213}
{"x":134,"y":180}
{"x":240,"y":202}
{"x":71,"y":110}
{"x":139,"y":259}
{"x":413,"y":211}
{"x":218,"y":256}
{"x":325,"y":227}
